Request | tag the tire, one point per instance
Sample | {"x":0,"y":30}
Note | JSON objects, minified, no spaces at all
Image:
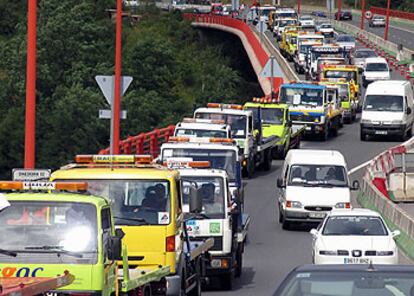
{"x":280,"y":215}
{"x":281,"y":153}
{"x":325,"y":135}
{"x":285,"y":224}
{"x":267,"y":164}
{"x":196,"y":291}
{"x":239,"y":259}
{"x":362,"y":136}
{"x":226,"y":281}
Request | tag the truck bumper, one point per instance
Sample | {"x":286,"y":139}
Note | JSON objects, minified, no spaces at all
{"x":314,"y":129}
{"x":383,"y":130}
{"x":305,"y":216}
{"x":173,"y":285}
{"x":212,"y":267}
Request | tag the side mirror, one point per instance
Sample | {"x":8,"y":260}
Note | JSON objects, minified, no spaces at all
{"x":196,"y":203}
{"x":408,"y":111}
{"x":289,"y":123}
{"x":355,"y":185}
{"x":314,"y":232}
{"x":395,"y":233}
{"x":115,"y":246}
{"x":280,"y":183}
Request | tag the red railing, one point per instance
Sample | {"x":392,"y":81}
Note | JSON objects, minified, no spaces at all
{"x":144,"y":143}
{"x":393,"y":13}
{"x":251,"y":37}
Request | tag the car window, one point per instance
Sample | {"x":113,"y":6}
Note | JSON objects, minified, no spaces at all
{"x":354,"y":225}
{"x":376,"y":67}
{"x":318,"y":175}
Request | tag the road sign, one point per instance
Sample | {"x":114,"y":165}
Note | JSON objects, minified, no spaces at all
{"x":271,"y":69}
{"x":107,"y":84}
{"x":368,"y":14}
{"x":30,"y":175}
{"x":261,"y":26}
{"x":106,"y":114}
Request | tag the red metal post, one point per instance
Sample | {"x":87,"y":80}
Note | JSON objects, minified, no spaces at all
{"x":299,"y":7}
{"x":117,"y":88}
{"x":387,"y":20}
{"x":339,"y":10}
{"x":30,"y":129}
{"x":362,"y":14}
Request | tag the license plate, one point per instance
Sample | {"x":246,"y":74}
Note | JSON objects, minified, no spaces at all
{"x":356,"y":261}
{"x":317,"y":215}
{"x":380,"y":132}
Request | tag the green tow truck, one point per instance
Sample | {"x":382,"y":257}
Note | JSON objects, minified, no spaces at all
{"x":50,"y":227}
{"x":274,"y":120}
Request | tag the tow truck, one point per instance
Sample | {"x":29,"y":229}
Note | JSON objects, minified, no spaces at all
{"x":321,"y":51}
{"x":276,"y":121}
{"x":348,"y":72}
{"x":280,"y":24}
{"x":288,"y":42}
{"x":254,"y":148}
{"x":51,"y":226}
{"x":147,"y":206}
{"x":204,"y":128}
{"x":313,"y":105}
{"x":323,"y":61}
{"x":305,"y":42}
{"x":221,"y":218}
{"x":348,"y":103}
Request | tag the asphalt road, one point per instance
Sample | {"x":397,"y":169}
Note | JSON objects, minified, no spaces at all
{"x":272,"y":252}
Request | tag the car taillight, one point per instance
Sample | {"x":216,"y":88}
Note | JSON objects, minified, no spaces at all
{"x":170,"y":244}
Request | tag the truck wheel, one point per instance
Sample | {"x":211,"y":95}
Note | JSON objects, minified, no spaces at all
{"x":239,"y":259}
{"x":325,"y":135}
{"x":285,"y":224}
{"x":280,"y":215}
{"x":362,"y":136}
{"x":227,"y":281}
{"x":281,"y":153}
{"x":196,"y":291}
{"x":267,"y":164}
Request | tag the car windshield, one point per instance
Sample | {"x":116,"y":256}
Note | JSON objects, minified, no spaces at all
{"x":345,"y":39}
{"x":363,"y":54}
{"x":326,"y":26}
{"x":287,"y":15}
{"x":347,"y":283}
{"x":336,"y":74}
{"x":201,"y":133}
{"x":377,"y":18}
{"x":376,"y":67}
{"x":49,"y":227}
{"x":318,"y":175}
{"x":383,"y":103}
{"x":354,"y":225}
{"x":272,"y":115}
{"x":211,"y":190}
{"x":306,"y":18}
{"x":301,"y":96}
{"x":237,"y":122}
{"x":136,"y":202}
{"x":219,"y":159}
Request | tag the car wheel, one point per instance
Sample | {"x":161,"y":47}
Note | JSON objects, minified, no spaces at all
{"x":285,"y":224}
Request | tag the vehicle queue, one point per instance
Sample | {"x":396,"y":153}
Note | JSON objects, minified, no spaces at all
{"x":168,"y":226}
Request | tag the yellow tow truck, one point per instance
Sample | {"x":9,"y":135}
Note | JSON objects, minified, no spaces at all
{"x":147,"y":206}
{"x":288,"y":42}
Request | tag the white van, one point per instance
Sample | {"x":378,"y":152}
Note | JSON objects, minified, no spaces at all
{"x":313,"y":182}
{"x":387,"y":110}
{"x":375,"y":69}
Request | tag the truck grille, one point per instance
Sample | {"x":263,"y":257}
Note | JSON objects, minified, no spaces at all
{"x":218,"y":242}
{"x":318,"y":209}
{"x":302,"y":118}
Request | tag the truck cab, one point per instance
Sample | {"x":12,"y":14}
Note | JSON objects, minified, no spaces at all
{"x":313,"y":105}
{"x":339,"y":72}
{"x":280,"y":25}
{"x":146,"y":202}
{"x":288,"y":42}
{"x":305,"y":42}
{"x":202,"y":128}
{"x":321,"y":51}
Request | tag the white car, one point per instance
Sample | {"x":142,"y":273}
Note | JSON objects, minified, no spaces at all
{"x":347,"y":42}
{"x":326,"y":30}
{"x":375,"y":69}
{"x":377,"y":21}
{"x":306,"y":21}
{"x":357,"y":236}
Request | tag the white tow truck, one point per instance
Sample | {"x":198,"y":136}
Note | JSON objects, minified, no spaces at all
{"x":305,"y":41}
{"x":202,"y":128}
{"x":255,"y":149}
{"x":219,"y":217}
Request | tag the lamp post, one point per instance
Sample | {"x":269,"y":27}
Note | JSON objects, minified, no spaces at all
{"x":339,"y":10}
{"x":362,"y":14}
{"x":387,"y":20}
{"x":299,"y":7}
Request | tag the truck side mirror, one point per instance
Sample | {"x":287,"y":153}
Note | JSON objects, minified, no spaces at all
{"x":115,"y":246}
{"x":409,"y":111}
{"x":289,"y":123}
{"x":196,"y":203}
{"x":355,"y":185}
{"x":280,"y":183}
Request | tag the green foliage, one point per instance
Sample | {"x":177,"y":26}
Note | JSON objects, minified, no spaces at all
{"x":172,"y":71}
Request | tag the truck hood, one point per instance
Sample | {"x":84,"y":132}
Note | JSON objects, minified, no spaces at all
{"x":317,"y":196}
{"x":377,"y":75}
{"x":356,"y":242}
{"x":272,"y":130}
{"x":379,"y":116}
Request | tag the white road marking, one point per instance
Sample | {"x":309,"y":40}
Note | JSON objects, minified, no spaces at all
{"x":357,"y":168}
{"x":401,"y":29}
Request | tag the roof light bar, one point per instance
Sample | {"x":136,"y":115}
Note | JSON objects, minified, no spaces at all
{"x":176,"y":164}
{"x":70,"y":186}
{"x":225,"y":106}
{"x":202,"y":120}
{"x":109,"y":159}
{"x":200,"y":140}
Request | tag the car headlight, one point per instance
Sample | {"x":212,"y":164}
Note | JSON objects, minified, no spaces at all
{"x":366,"y":121}
{"x":385,"y":253}
{"x":293,"y":204}
{"x":397,"y":122}
{"x":343,"y":205}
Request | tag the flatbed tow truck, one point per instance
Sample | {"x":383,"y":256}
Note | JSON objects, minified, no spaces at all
{"x":147,"y":206}
{"x":275,"y":121}
{"x":52,"y":226}
{"x":202,"y":128}
{"x":255,"y":149}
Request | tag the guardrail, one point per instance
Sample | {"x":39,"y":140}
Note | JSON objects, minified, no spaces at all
{"x":393,"y":13}
{"x":145,"y":143}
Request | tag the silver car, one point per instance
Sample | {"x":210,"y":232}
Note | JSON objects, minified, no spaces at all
{"x":377,"y":21}
{"x":360,"y":54}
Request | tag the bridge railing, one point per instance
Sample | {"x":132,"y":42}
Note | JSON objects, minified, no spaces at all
{"x":393,"y":13}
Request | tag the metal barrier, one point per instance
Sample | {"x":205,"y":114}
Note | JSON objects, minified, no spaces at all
{"x":393,"y":13}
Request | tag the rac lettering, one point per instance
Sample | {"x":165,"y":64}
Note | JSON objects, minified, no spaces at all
{"x":20,"y":272}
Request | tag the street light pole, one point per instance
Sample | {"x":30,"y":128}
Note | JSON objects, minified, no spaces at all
{"x":298,"y":7}
{"x":362,"y":14}
{"x":116,"y":104}
{"x":387,"y":20}
{"x":30,"y":125}
{"x":339,"y":10}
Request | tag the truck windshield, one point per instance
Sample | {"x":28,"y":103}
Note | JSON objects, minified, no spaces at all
{"x":136,"y":202}
{"x":318,"y":175}
{"x":335,"y":74}
{"x":211,"y":190}
{"x":219,"y":159}
{"x":272,"y":115}
{"x":383,"y":103}
{"x":201,"y":133}
{"x":354,"y":225}
{"x":316,"y":55}
{"x":301,"y":96}
{"x":376,"y":67}
{"x":238,"y":123}
{"x":343,"y":92}
{"x":50,"y":228}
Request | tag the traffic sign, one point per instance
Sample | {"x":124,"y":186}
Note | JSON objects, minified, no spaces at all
{"x":271,"y":69}
{"x":107,"y":84}
{"x":106,"y":114}
{"x":368,"y":14}
{"x":30,"y":175}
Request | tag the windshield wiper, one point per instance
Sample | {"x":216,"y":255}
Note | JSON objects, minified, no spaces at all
{"x":142,"y":220}
{"x":54,"y":249}
{"x":8,"y":253}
